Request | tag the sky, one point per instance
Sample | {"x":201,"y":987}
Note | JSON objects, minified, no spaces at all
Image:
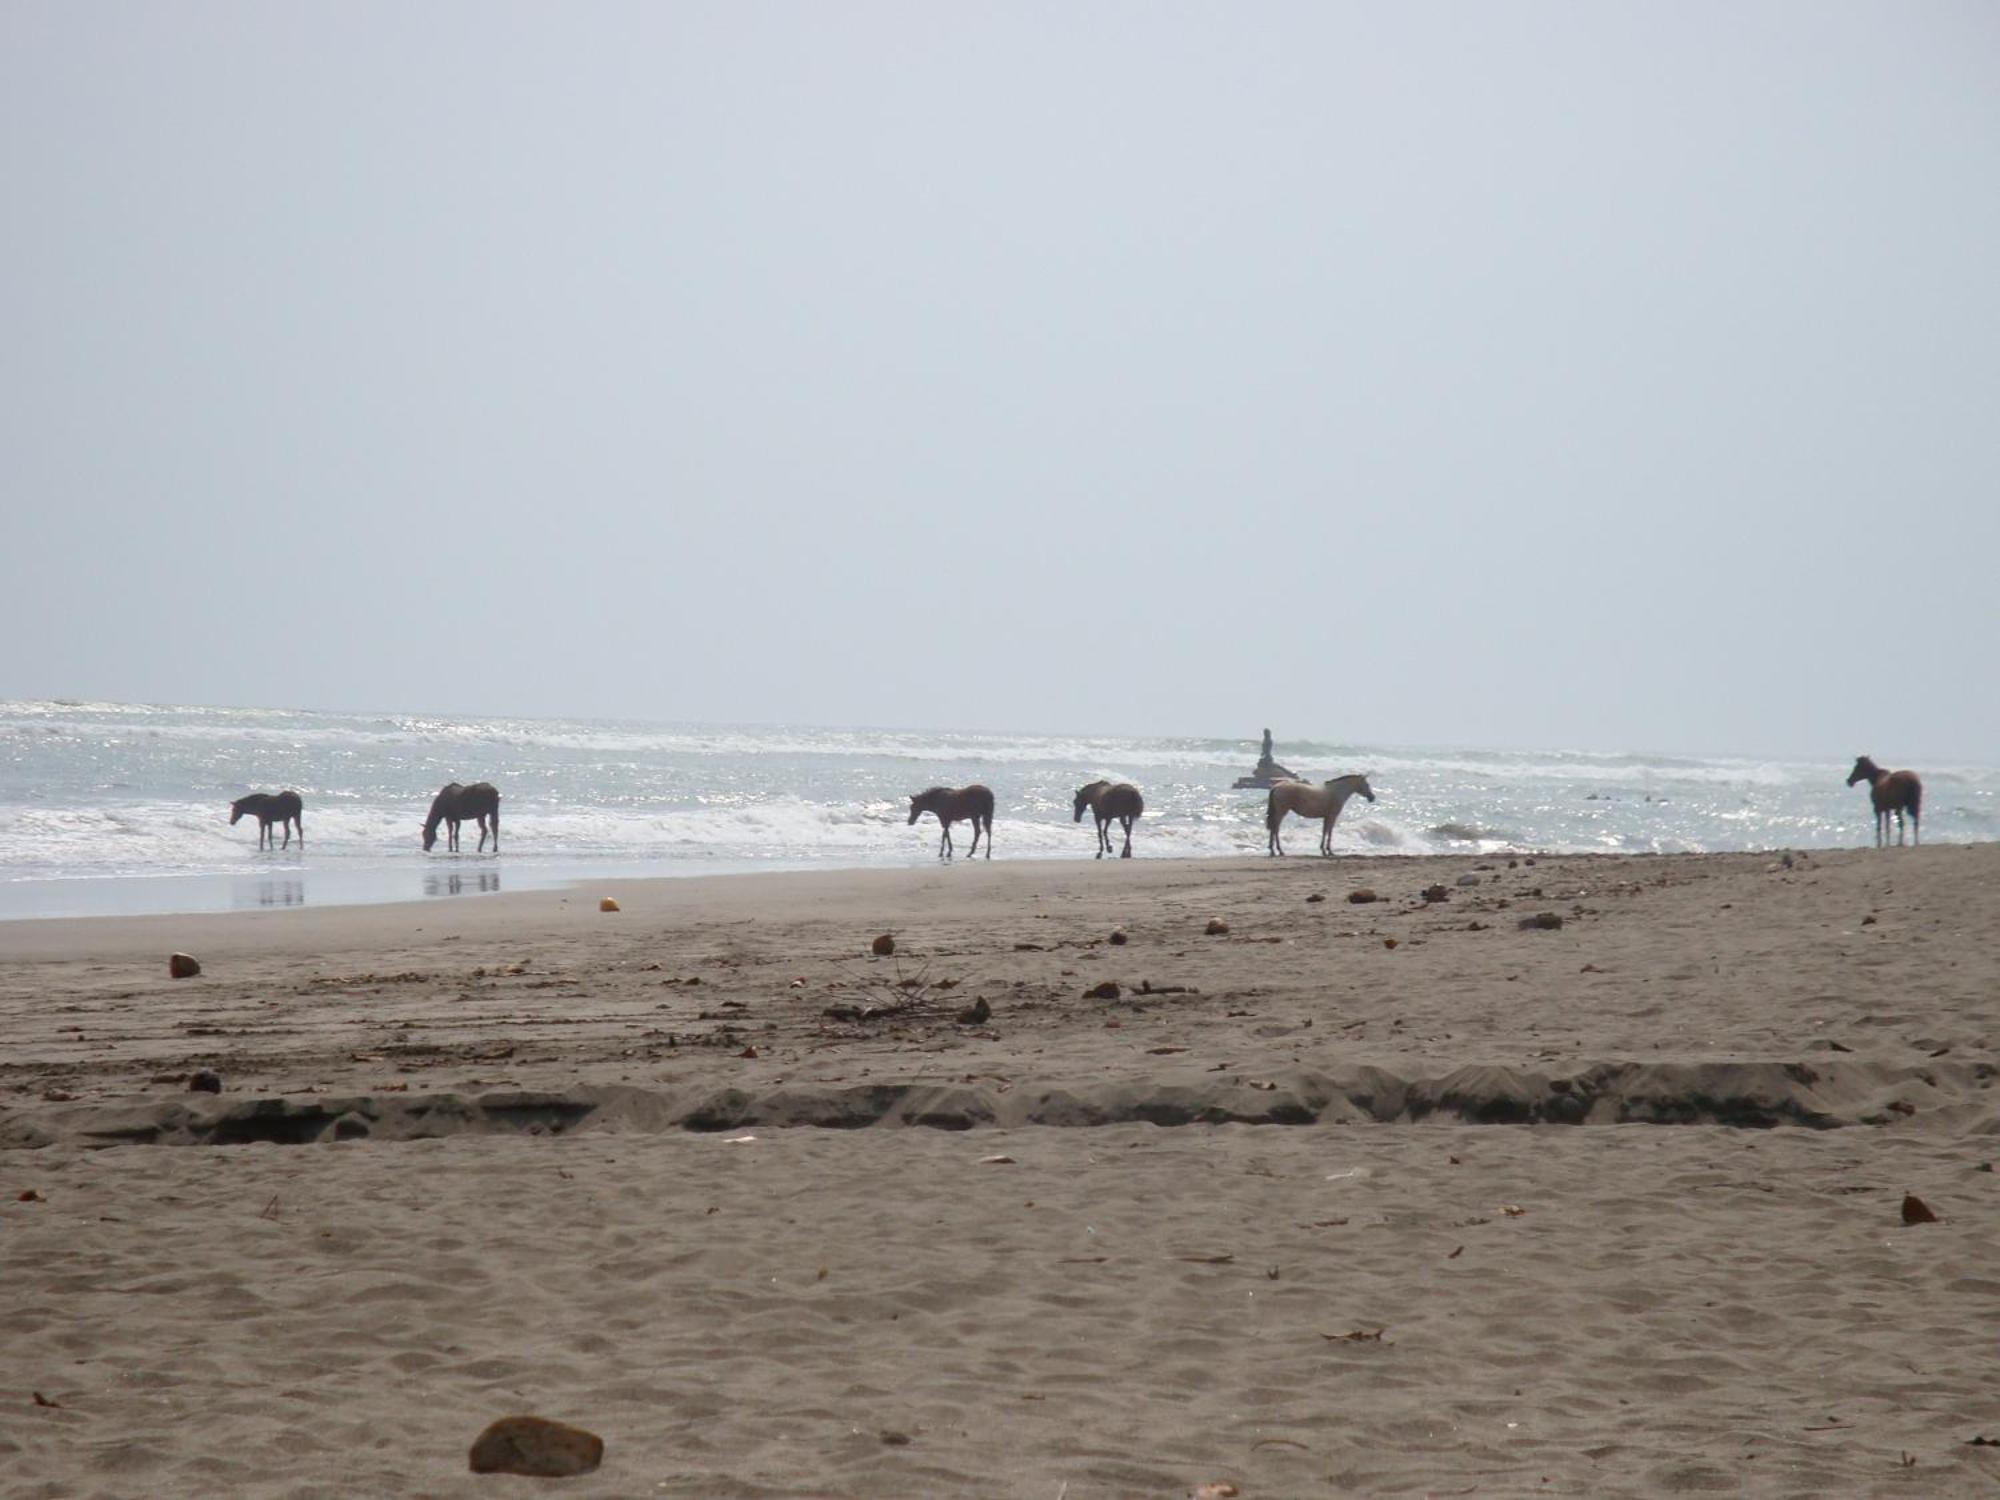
{"x":1594,"y":376}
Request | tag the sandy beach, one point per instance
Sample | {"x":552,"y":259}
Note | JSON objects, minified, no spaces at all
{"x":1584,"y":1176}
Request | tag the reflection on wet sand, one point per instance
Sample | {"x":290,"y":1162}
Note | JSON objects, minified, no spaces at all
{"x":290,"y":892}
{"x":480,"y":883}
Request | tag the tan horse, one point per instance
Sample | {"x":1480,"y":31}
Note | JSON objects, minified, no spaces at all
{"x":1895,"y":792}
{"x":1309,"y":801}
{"x":952,"y":803}
{"x":1111,"y":802}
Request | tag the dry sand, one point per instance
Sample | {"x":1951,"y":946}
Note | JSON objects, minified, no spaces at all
{"x":1621,"y":1199}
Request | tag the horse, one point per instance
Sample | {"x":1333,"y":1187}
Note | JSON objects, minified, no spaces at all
{"x":454,"y":805}
{"x":1895,"y":792}
{"x":1112,"y":802}
{"x":283,"y":808}
{"x":1310,"y":801}
{"x":951,"y":803}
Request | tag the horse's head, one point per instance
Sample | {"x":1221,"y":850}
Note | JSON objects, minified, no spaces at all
{"x":1864,"y":770}
{"x":1083,"y":796}
{"x":1362,"y":786}
{"x":235,"y":812}
{"x":918,"y":802}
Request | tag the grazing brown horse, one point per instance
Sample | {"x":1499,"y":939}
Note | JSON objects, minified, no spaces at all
{"x":1309,"y":801}
{"x":1111,"y":801}
{"x":951,"y":803}
{"x":454,"y":805}
{"x":1897,"y":792}
{"x":283,"y":808}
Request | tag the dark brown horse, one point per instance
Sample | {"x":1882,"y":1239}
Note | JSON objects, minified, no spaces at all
{"x":1111,"y":802}
{"x":454,"y":805}
{"x":283,"y":808}
{"x":952,"y":803}
{"x":1897,"y":792}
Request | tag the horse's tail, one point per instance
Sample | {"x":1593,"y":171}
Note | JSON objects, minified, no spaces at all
{"x":1271,"y":813}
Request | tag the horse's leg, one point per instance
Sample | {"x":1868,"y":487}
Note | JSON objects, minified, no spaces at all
{"x":1128,"y":839}
{"x":944,"y":838}
{"x":300,"y":819}
{"x":1277,"y":842}
{"x":1326,"y":835}
{"x":1098,"y":818}
{"x":973,"y":852}
{"x":1916,"y":821}
{"x":989,"y":835}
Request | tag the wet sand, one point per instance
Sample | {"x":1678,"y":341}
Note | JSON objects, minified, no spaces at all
{"x":1351,"y":1199}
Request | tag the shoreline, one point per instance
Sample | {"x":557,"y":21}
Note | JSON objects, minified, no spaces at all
{"x":290,"y":887}
{"x":293,"y":886}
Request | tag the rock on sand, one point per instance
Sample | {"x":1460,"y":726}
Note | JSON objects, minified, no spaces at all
{"x":536,"y":1446}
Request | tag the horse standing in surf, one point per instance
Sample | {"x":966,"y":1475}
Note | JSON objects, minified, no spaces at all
{"x":1111,"y":802}
{"x":1896,"y":792}
{"x":283,"y":808}
{"x":951,"y":803}
{"x":1309,"y":801}
{"x":454,"y":805}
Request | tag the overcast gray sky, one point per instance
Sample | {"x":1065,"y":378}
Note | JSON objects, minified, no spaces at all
{"x":1608,"y":376}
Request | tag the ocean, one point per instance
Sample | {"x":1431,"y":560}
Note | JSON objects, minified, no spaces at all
{"x":123,"y":808}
